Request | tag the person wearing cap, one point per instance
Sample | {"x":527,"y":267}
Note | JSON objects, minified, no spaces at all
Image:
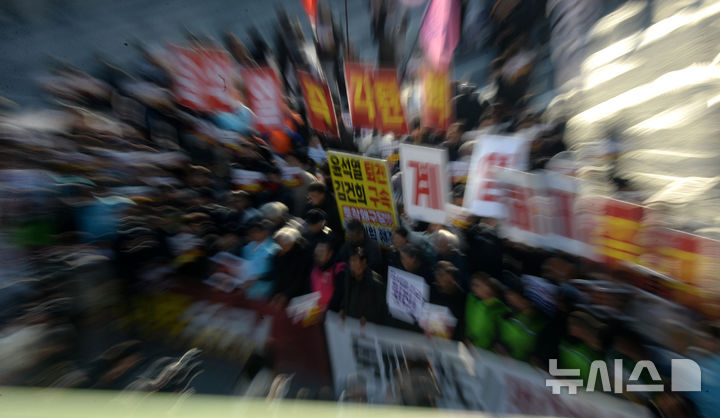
{"x":518,"y":332}
{"x":357,"y":237}
{"x":316,"y":229}
{"x":364,"y":295}
{"x":260,"y":250}
{"x":483,"y":310}
{"x":290,"y":266}
{"x":320,"y":198}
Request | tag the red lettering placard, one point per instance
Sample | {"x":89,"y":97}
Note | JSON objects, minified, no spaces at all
{"x":391,"y":117}
{"x":203,"y":79}
{"x":425,"y":182}
{"x":618,"y":233}
{"x":436,"y":108}
{"x":264,"y":97}
{"x":361,"y":97}
{"x":320,"y":110}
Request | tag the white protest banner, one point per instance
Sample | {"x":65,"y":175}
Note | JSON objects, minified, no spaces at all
{"x":524,"y":199}
{"x":565,"y":232}
{"x":406,"y":294}
{"x":483,"y":192}
{"x":425,"y":188}
{"x":467,"y":379}
{"x":229,"y":272}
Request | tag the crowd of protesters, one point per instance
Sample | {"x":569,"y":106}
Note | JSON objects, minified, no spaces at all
{"x":127,"y":174}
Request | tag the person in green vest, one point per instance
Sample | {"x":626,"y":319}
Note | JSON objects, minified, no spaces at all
{"x":483,"y":310}
{"x":518,"y":331}
{"x":582,"y":346}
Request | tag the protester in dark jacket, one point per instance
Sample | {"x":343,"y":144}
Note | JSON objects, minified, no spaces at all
{"x":357,"y":237}
{"x":447,"y":291}
{"x":291,"y":266}
{"x":316,"y":231}
{"x":364,"y":291}
{"x":319,"y":198}
{"x":412,"y":260}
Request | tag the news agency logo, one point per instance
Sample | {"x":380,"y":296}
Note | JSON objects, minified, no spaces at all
{"x":685,"y":377}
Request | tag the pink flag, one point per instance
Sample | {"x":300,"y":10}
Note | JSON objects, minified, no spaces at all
{"x":440,"y":32}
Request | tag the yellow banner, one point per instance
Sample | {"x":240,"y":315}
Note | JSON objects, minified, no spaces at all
{"x":362,"y":191}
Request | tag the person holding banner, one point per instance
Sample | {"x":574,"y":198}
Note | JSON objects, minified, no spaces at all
{"x":358,"y":238}
{"x":327,"y":276}
{"x":448,"y":292}
{"x":364,"y":295}
{"x":319,"y":198}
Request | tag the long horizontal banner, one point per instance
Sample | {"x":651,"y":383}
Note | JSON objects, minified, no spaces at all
{"x":546,"y":209}
{"x":465,"y":379}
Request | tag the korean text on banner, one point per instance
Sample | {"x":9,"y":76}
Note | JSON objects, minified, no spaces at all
{"x":320,"y":110}
{"x":374,"y":99}
{"x":616,"y":237}
{"x":363,"y":192}
{"x":523,"y":197}
{"x":202,"y":79}
{"x":483,"y":192}
{"x":436,"y":108}
{"x":264,"y":97}
{"x":688,"y":258}
{"x":425,"y":188}
{"x":568,"y":226}
{"x":440,"y":32}
{"x":361,"y":98}
{"x":406,"y":295}
{"x":391,"y":117}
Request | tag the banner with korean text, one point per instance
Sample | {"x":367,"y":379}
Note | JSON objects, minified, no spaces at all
{"x":391,"y":117}
{"x":617,"y":232}
{"x":406,"y":295}
{"x":436,"y":96}
{"x":425,"y":178}
{"x":319,"y":105}
{"x":202,"y":79}
{"x":483,"y":192}
{"x":264,"y":96}
{"x":374,"y":99}
{"x":524,"y":200}
{"x":362,"y":191}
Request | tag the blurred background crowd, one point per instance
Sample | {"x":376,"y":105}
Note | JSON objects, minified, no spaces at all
{"x":119,"y":202}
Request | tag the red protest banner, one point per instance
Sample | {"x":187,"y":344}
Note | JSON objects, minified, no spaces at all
{"x":686,"y":257}
{"x":320,"y":110}
{"x":374,"y":99}
{"x":391,"y":117}
{"x":618,"y":235}
{"x":203,"y":79}
{"x":264,"y":97}
{"x":436,"y":109}
{"x":359,"y":81}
